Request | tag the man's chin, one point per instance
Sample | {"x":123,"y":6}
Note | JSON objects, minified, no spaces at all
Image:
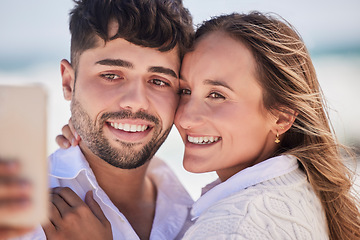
{"x":124,"y":158}
{"x":126,"y":165}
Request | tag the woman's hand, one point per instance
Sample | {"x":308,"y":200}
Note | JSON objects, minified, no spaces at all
{"x":71,"y":218}
{"x":15,"y":196}
{"x":69,"y":136}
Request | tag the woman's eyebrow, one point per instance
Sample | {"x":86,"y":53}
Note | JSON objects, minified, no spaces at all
{"x":217,"y":83}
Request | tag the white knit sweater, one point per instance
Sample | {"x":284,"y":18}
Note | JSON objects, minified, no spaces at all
{"x":283,"y":207}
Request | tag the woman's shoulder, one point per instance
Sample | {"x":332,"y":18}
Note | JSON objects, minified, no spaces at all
{"x":277,"y":208}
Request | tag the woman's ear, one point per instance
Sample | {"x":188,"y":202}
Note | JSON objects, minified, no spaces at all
{"x":285,"y":118}
{"x":68,"y":79}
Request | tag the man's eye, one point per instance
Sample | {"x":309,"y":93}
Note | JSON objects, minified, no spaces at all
{"x":216,"y":95}
{"x":184,"y":91}
{"x":111,"y":76}
{"x":159,"y":82}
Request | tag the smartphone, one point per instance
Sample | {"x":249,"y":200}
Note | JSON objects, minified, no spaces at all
{"x":23,"y":124}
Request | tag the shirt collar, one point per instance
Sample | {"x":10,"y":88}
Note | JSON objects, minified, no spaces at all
{"x":68,"y":163}
{"x":173,"y":202}
{"x":250,"y":176}
{"x":167,"y":183}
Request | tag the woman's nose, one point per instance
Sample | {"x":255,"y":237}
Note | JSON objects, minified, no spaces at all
{"x":190,"y":114}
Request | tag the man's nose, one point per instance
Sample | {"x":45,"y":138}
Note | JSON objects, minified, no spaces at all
{"x":135,"y":96}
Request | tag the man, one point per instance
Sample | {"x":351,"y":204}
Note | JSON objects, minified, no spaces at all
{"x":122,"y":83}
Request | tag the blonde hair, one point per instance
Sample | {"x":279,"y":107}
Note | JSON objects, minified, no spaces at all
{"x":287,"y":76}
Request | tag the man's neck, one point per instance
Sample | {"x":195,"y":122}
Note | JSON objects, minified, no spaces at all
{"x":131,"y":191}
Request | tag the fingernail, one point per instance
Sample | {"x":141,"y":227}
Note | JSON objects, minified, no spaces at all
{"x":73,"y":142}
{"x":76,"y":136}
{"x":66,"y":144}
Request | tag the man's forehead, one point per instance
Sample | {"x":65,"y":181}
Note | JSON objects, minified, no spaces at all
{"x":120,"y":48}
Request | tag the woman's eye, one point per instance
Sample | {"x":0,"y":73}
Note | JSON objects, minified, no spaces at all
{"x":159,"y":82}
{"x":216,"y":95}
{"x":111,"y":76}
{"x":184,"y":91}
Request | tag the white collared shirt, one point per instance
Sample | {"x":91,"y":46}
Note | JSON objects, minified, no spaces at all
{"x":69,"y":168}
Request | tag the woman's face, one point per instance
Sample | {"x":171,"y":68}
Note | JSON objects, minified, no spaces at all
{"x":221,"y":117}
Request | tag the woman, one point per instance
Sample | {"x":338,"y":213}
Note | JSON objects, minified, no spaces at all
{"x":251,"y":109}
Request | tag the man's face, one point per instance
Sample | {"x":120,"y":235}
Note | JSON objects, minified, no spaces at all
{"x":123,"y":101}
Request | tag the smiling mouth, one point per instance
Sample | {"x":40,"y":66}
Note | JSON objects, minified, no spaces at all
{"x":129,"y":127}
{"x":203,"y":140}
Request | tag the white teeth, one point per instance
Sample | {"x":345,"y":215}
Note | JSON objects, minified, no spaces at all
{"x":133,"y":128}
{"x":126,"y":127}
{"x":129,"y":128}
{"x":202,"y":140}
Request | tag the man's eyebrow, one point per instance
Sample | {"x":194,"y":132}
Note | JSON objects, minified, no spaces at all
{"x":163,"y":70}
{"x":115,"y":62}
{"x":217,"y":83}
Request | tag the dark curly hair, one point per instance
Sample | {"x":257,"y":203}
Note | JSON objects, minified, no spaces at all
{"x":159,"y":24}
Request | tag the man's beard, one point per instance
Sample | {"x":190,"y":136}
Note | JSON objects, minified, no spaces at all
{"x":125,"y":157}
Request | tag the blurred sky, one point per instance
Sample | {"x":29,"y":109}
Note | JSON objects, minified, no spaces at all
{"x":37,"y":30}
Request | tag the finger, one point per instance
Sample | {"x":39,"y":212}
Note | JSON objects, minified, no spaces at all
{"x":67,"y":133}
{"x":62,"y":141}
{"x":6,"y":233}
{"x":61,"y":205}
{"x":49,"y":229}
{"x":13,"y":206}
{"x":55,"y":215}
{"x":13,"y":188}
{"x":68,"y":195}
{"x":95,"y":208}
{"x":9,"y":168}
{"x":15,"y":196}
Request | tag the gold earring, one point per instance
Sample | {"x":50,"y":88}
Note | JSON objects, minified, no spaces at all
{"x":277,"y":140}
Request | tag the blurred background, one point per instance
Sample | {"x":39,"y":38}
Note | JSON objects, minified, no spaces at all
{"x":35,"y":37}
